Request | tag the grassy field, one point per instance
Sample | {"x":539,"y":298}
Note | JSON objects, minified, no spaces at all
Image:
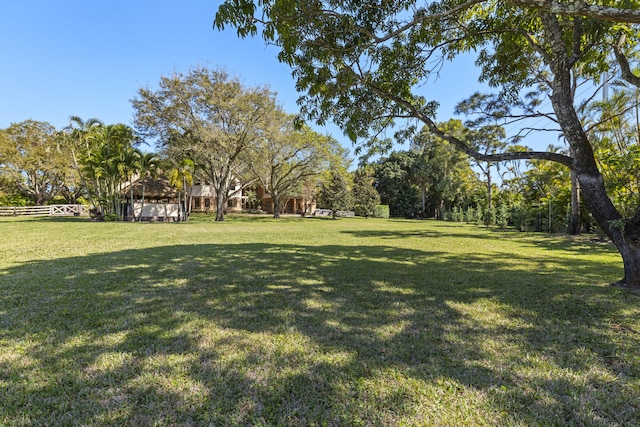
{"x":311,"y":322}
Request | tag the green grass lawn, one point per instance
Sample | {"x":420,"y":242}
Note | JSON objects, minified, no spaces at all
{"x":311,"y":322}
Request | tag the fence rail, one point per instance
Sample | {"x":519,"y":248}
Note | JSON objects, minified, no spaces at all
{"x":48,"y":210}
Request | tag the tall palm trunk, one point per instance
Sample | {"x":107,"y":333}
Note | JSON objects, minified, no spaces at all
{"x":141,"y":204}
{"x":184,"y":189}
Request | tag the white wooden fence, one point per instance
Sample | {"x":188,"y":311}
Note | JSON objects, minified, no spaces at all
{"x":48,"y":210}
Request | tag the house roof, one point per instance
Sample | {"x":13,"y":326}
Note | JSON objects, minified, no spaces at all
{"x":153,"y":188}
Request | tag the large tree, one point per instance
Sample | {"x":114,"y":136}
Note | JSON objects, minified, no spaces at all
{"x":31,"y":158}
{"x":364,"y":64}
{"x":288,"y":157}
{"x":396,"y":184}
{"x":442,"y":173}
{"x":210,"y":118}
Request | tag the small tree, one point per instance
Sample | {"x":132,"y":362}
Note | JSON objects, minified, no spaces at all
{"x":335,"y":194}
{"x":181,"y":177}
{"x":365,"y":196}
{"x":479,"y":215}
{"x":503,"y":216}
{"x":490,"y":216}
{"x":470,"y":214}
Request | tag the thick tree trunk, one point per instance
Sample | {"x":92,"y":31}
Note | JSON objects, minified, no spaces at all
{"x":631,"y":260}
{"x":221,"y":201}
{"x":574,"y":226}
{"x":276,"y":206}
{"x":625,"y":234}
{"x":622,"y":233}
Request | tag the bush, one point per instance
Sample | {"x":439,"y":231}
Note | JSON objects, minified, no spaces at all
{"x":456,"y":214}
{"x":111,"y":217}
{"x":14,"y":200}
{"x":503,"y":216}
{"x":489,"y":218}
{"x":381,"y":211}
{"x":470,"y":214}
{"x":479,"y":215}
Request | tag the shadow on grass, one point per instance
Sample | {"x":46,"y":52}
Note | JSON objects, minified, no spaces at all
{"x":452,"y":229}
{"x":295,"y":335}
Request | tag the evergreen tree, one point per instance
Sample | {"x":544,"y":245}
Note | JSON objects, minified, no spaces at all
{"x":335,"y":194}
{"x":365,"y":196}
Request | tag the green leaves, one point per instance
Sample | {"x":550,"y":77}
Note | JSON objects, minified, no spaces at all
{"x":109,"y":161}
{"x":238,"y":13}
{"x":32,"y":160}
{"x":212,"y":119}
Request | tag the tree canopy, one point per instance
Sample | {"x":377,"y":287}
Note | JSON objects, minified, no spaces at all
{"x":286,"y":158}
{"x":211,"y":118}
{"x":364,"y":64}
{"x":108,"y":161}
{"x":31,"y":159}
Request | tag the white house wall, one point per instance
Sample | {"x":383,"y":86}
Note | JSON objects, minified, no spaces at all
{"x":156,"y":210}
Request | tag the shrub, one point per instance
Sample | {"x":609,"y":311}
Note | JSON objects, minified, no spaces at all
{"x":111,"y":217}
{"x":381,"y":211}
{"x":503,"y":216}
{"x":490,"y":217}
{"x":479,"y":215}
{"x":470,"y":215}
{"x":14,"y":200}
{"x":458,"y":214}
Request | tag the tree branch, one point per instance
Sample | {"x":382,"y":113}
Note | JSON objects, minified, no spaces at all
{"x":582,"y":8}
{"x":625,"y":69}
{"x":464,"y":147}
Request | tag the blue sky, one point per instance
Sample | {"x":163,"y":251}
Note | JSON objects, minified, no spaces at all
{"x":88,"y":58}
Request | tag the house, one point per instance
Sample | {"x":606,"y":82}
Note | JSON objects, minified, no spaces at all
{"x":203,"y":198}
{"x":249,"y":199}
{"x":156,"y":199}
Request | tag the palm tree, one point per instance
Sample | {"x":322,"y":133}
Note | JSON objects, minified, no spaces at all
{"x":148,"y":165}
{"x":77,"y":138}
{"x":181,"y":176}
{"x":132,"y":165}
{"x":110,"y":161}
